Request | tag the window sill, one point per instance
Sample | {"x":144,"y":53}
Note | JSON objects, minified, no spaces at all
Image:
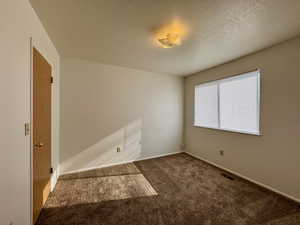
{"x":231,"y":131}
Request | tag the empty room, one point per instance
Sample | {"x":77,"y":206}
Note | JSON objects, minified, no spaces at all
{"x":139,"y":112}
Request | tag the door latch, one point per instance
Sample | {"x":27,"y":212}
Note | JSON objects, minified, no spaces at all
{"x":27,"y":129}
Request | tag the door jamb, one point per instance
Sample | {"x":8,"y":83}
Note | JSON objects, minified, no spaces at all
{"x":32,"y":46}
{"x":31,"y":131}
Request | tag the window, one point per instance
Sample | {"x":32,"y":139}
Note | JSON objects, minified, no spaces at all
{"x":231,"y":104}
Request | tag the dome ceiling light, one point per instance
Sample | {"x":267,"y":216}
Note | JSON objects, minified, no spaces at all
{"x":171,"y":34}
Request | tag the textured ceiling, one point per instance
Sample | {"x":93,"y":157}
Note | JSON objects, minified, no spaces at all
{"x":120,"y":32}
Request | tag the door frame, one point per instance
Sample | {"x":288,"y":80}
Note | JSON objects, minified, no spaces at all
{"x":32,"y":46}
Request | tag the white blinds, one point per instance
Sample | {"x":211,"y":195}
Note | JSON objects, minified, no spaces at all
{"x":229,"y":104}
{"x":206,"y":105}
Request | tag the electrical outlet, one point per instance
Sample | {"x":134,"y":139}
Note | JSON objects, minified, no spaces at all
{"x":118,"y":149}
{"x":221,"y":152}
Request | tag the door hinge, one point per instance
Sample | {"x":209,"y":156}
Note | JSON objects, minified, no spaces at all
{"x":51,"y":170}
{"x":51,"y":80}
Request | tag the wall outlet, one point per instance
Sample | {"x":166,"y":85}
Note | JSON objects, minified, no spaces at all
{"x":221,"y":152}
{"x":119,"y":149}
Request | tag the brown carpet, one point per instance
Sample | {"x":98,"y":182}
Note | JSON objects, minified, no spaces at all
{"x":190,"y":192}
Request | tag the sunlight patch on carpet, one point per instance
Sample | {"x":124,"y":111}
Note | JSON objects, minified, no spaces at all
{"x":99,"y":189}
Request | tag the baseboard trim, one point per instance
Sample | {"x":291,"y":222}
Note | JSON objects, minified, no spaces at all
{"x":116,"y":164}
{"x":54,"y":178}
{"x":247,"y":178}
{"x":157,"y":156}
{"x":96,"y":167}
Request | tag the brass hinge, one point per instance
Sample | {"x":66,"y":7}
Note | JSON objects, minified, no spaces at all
{"x":51,"y":80}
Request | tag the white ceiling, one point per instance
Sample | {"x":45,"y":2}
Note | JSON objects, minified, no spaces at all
{"x":120,"y":32}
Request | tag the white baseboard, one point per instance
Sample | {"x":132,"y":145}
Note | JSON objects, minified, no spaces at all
{"x":96,"y":167}
{"x":157,"y":156}
{"x":54,"y":178}
{"x":119,"y":163}
{"x":247,"y":178}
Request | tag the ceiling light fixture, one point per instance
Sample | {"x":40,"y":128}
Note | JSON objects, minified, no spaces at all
{"x":170,"y":41}
{"x":171,"y":34}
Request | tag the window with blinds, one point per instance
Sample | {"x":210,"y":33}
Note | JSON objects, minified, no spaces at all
{"x":231,"y":104}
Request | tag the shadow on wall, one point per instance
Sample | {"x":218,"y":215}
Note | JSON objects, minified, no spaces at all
{"x":105,"y":152}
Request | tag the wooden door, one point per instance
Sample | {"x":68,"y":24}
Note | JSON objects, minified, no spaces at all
{"x":41,"y":132}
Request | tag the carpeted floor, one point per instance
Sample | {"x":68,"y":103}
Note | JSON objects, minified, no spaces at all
{"x":189,"y":192}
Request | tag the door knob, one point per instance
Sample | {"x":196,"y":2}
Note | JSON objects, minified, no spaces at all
{"x":39,"y":145}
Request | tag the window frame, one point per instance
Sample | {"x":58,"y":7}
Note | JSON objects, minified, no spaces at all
{"x":225,"y":79}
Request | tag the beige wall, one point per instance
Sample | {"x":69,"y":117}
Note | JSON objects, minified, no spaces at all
{"x":18,"y":22}
{"x":104,"y":107}
{"x":273,"y":158}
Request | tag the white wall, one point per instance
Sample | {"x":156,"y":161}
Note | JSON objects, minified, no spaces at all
{"x":103,"y":107}
{"x":273,"y":158}
{"x":18,"y":22}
